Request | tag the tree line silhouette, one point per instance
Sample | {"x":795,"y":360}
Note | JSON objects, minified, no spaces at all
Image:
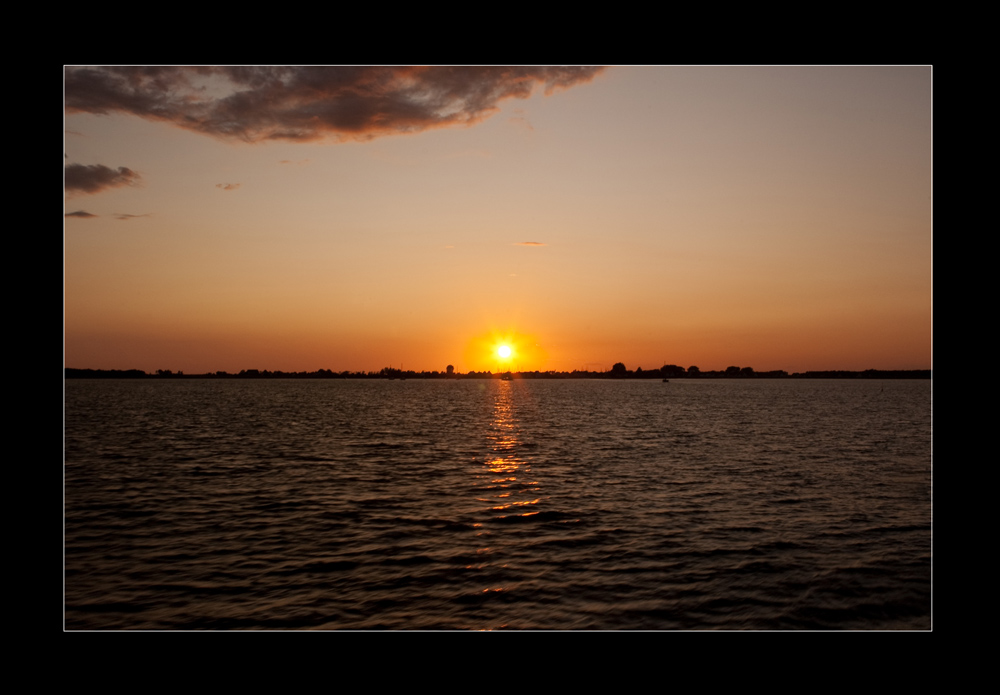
{"x":617,"y":371}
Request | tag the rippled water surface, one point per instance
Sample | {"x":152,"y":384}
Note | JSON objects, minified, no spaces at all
{"x":715,"y":504}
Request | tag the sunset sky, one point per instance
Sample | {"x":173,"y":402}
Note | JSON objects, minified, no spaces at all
{"x":353,"y":218}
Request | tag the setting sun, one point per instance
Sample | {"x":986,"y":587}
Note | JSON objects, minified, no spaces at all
{"x":504,"y":349}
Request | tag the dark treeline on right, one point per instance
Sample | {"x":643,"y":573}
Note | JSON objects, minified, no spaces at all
{"x":673,"y":371}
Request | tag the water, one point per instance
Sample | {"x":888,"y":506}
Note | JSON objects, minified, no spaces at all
{"x":478,"y":505}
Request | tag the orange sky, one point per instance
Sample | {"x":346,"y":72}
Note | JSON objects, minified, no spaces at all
{"x":353,"y":219}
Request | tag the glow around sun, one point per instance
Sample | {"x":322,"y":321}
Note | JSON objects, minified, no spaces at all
{"x":503,"y":349}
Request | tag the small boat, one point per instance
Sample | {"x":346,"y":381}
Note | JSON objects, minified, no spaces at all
{"x":666,"y":381}
{"x":506,"y":377}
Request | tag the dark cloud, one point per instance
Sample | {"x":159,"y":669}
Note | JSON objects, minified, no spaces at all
{"x":308,"y":103}
{"x":80,"y":213}
{"x":97,"y":177}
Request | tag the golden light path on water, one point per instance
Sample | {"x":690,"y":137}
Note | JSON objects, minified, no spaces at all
{"x":505,"y":477}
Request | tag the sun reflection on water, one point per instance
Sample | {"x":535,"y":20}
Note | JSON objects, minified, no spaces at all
{"x":506,"y":493}
{"x":509,"y":475}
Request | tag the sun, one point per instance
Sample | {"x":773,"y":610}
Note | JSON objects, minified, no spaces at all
{"x":504,"y":349}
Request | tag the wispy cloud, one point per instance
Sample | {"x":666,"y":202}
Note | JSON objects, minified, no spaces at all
{"x":227,"y":186}
{"x":80,"y":213}
{"x":520,"y":120}
{"x":92,"y":178}
{"x":530,"y":243}
{"x":124,"y":216}
{"x":257,"y":104}
{"x":479,"y":154}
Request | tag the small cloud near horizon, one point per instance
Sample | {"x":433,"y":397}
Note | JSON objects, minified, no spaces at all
{"x":125,"y":216}
{"x":227,"y":186}
{"x":308,"y":103}
{"x":94,"y":178}
{"x":80,"y":213}
{"x":530,"y":243}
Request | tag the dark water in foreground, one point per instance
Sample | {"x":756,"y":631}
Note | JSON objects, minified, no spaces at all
{"x":498,"y":505}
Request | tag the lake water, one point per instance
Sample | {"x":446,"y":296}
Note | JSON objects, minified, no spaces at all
{"x":481,"y":505}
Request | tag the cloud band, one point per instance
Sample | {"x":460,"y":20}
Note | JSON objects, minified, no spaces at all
{"x":257,"y":104}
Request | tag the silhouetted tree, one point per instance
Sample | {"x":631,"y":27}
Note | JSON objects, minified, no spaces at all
{"x":732,"y":371}
{"x":450,"y":370}
{"x":618,"y":369}
{"x":693,"y":371}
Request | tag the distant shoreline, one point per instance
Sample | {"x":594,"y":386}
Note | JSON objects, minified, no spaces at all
{"x":388,"y":373}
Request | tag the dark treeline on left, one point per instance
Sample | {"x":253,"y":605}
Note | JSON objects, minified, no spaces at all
{"x":247,"y":374}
